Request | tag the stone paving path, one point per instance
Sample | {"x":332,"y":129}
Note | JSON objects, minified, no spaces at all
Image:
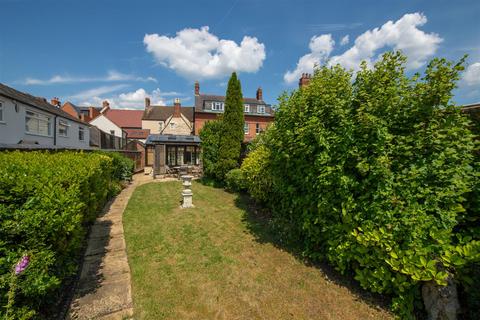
{"x":104,"y":290}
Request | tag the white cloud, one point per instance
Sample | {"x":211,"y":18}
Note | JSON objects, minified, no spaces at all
{"x":125,"y":100}
{"x":320,"y":48}
{"x":472,"y":74}
{"x":111,"y":76}
{"x":345,"y":40}
{"x":196,"y":53}
{"x":402,"y":34}
{"x":88,"y":94}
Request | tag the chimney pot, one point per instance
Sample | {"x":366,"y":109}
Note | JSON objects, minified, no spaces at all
{"x":304,"y":80}
{"x":147,"y":102}
{"x":260,"y":94}
{"x":105,"y":105}
{"x":197,"y":88}
{"x":55,"y":101}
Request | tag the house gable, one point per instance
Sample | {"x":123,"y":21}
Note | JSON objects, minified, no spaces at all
{"x":107,"y":125}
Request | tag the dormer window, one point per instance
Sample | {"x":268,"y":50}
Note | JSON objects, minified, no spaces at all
{"x":261,"y":108}
{"x":246,"y":108}
{"x":217,"y":106}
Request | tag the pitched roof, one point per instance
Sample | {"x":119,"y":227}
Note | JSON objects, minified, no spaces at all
{"x":37,"y":102}
{"x":125,"y":118}
{"x":164,"y":112}
{"x":471,"y":106}
{"x":137,"y":133}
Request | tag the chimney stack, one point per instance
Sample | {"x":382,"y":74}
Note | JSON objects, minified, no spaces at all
{"x":304,"y":80}
{"x":105,"y":106}
{"x":259,"y":94}
{"x":197,"y":88}
{"x":177,"y":106}
{"x":147,"y":102}
{"x":55,"y":102}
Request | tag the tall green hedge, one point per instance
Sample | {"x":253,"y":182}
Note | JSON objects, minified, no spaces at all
{"x":46,"y":202}
{"x":372,"y":173}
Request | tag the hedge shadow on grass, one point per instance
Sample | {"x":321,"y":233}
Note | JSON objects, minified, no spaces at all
{"x":259,"y":223}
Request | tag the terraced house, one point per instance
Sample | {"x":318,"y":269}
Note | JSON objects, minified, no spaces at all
{"x":29,"y":121}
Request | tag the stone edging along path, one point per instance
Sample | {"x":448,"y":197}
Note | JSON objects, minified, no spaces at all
{"x":104,"y":290}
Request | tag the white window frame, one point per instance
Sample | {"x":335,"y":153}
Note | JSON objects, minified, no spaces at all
{"x":40,"y":117}
{"x":246,"y":128}
{"x":261,"y":108}
{"x":63,"y":124}
{"x":81,"y":133}
{"x":246,"y":108}
{"x":2,"y":113}
{"x":217,"y":106}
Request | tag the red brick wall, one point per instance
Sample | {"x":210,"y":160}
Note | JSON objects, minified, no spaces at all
{"x":202,"y":118}
{"x":252,"y":124}
{"x":67,"y":107}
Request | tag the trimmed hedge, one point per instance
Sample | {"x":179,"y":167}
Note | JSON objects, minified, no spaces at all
{"x":47,"y":201}
{"x":373,"y":175}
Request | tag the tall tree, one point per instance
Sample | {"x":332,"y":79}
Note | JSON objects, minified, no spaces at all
{"x":232,"y":130}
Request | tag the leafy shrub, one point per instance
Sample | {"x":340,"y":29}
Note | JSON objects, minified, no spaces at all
{"x":210,"y":146}
{"x":235,"y":180}
{"x":373,"y":174}
{"x":255,"y":169}
{"x":122,"y":166}
{"x":46,"y":202}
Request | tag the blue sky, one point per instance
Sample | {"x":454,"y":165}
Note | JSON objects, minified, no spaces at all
{"x":87,"y":51}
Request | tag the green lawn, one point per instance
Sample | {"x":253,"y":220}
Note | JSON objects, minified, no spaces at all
{"x":214,"y":262}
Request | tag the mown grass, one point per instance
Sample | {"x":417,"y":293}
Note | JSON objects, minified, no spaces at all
{"x":207,"y":263}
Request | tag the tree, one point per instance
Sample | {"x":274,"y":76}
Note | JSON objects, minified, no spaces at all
{"x":372,"y":175}
{"x":231,"y":135}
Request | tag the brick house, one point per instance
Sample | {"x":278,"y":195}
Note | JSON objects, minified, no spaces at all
{"x":258,"y":114}
{"x":85,"y":114}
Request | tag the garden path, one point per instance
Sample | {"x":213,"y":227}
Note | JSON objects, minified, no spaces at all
{"x":104,"y":290}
